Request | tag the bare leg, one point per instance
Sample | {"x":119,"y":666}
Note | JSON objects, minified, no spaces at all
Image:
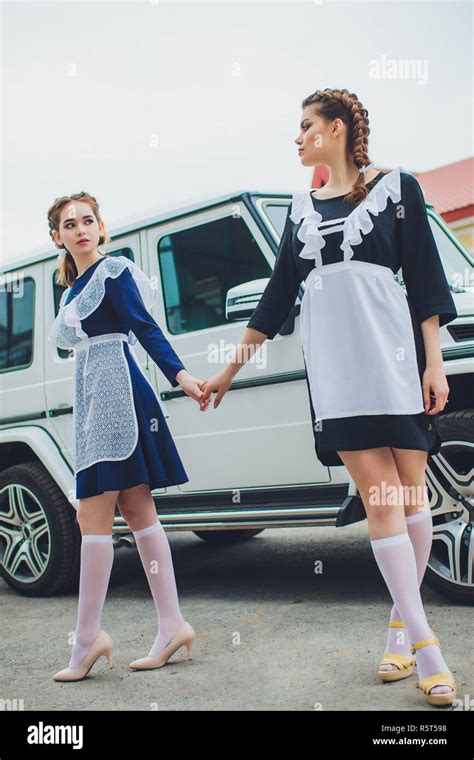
{"x":373,"y":470}
{"x":411,"y":468}
{"x":137,"y":507}
{"x":96,"y":513}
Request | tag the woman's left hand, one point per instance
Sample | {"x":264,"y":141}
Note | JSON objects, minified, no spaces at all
{"x":435,"y":383}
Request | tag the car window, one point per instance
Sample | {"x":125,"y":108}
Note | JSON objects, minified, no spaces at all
{"x":17,"y":309}
{"x":199,"y":265}
{"x":276,"y":213}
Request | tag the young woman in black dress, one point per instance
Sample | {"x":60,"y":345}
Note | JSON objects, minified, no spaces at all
{"x":379,"y":418}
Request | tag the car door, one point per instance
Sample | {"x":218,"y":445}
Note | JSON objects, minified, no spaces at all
{"x":260,"y":435}
{"x":21,"y":365}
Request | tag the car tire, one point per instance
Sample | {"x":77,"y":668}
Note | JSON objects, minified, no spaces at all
{"x":40,"y":540}
{"x":450,"y":481}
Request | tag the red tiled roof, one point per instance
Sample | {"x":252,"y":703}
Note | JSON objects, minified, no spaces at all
{"x":450,"y":187}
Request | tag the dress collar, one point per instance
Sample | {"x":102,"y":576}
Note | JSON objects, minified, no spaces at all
{"x":90,"y":296}
{"x":89,"y":268}
{"x":357,"y":222}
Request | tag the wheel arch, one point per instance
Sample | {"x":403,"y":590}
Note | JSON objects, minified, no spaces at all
{"x":23,"y":444}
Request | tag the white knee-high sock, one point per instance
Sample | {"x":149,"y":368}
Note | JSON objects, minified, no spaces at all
{"x":395,"y":557}
{"x":97,"y":556}
{"x":420,"y":531}
{"x":155,"y":554}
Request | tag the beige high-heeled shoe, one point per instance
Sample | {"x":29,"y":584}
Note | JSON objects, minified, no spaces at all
{"x":184,"y":637}
{"x":102,"y":646}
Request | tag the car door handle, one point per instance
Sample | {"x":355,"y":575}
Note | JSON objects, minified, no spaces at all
{"x":59,"y":410}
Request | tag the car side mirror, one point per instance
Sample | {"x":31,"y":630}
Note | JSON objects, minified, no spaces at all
{"x":242,"y":300}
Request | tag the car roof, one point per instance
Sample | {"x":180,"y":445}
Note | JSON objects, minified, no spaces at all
{"x":139,"y":222}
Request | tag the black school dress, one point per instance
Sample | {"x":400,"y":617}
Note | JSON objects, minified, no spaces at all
{"x":362,"y":342}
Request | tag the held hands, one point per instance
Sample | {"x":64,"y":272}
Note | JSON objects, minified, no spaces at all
{"x":219,"y":383}
{"x":435,"y":389}
{"x":190,"y":385}
{"x":201,"y":390}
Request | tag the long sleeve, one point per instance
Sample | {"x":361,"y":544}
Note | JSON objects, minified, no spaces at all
{"x":281,"y":290}
{"x":124,"y":298}
{"x":426,"y":284}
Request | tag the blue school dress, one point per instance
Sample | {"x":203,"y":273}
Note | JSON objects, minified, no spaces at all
{"x":120,"y":434}
{"x":361,"y":333}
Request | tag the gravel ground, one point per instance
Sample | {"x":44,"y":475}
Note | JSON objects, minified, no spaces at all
{"x":271,"y":632}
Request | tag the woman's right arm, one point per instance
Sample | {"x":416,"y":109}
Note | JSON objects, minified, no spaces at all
{"x":279,"y":296}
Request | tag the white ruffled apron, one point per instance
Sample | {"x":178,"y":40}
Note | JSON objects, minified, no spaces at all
{"x":355,"y":324}
{"x":105,"y":426}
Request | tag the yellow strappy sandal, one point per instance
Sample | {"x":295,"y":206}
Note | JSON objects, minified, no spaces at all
{"x":403,"y":662}
{"x":437,"y":679}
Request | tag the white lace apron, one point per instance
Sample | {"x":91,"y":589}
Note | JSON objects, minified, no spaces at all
{"x":355,"y":324}
{"x":105,"y":426}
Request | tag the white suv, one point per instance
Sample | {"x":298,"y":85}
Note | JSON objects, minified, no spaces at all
{"x":251,"y":464}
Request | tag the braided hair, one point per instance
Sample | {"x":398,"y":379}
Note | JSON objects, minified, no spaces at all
{"x":342,"y":104}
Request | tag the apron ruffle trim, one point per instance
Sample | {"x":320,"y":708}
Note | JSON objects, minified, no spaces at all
{"x":90,"y":297}
{"x":357,"y":222}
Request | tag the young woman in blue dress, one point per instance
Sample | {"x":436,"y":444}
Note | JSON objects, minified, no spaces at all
{"x":77,"y":230}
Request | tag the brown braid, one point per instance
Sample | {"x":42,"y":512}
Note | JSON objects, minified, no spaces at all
{"x":345,"y":105}
{"x":67,"y":270}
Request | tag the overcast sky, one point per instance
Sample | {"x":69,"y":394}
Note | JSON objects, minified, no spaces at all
{"x":150,"y":105}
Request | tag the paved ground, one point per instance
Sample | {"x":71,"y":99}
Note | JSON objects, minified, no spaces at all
{"x":271,"y":633}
